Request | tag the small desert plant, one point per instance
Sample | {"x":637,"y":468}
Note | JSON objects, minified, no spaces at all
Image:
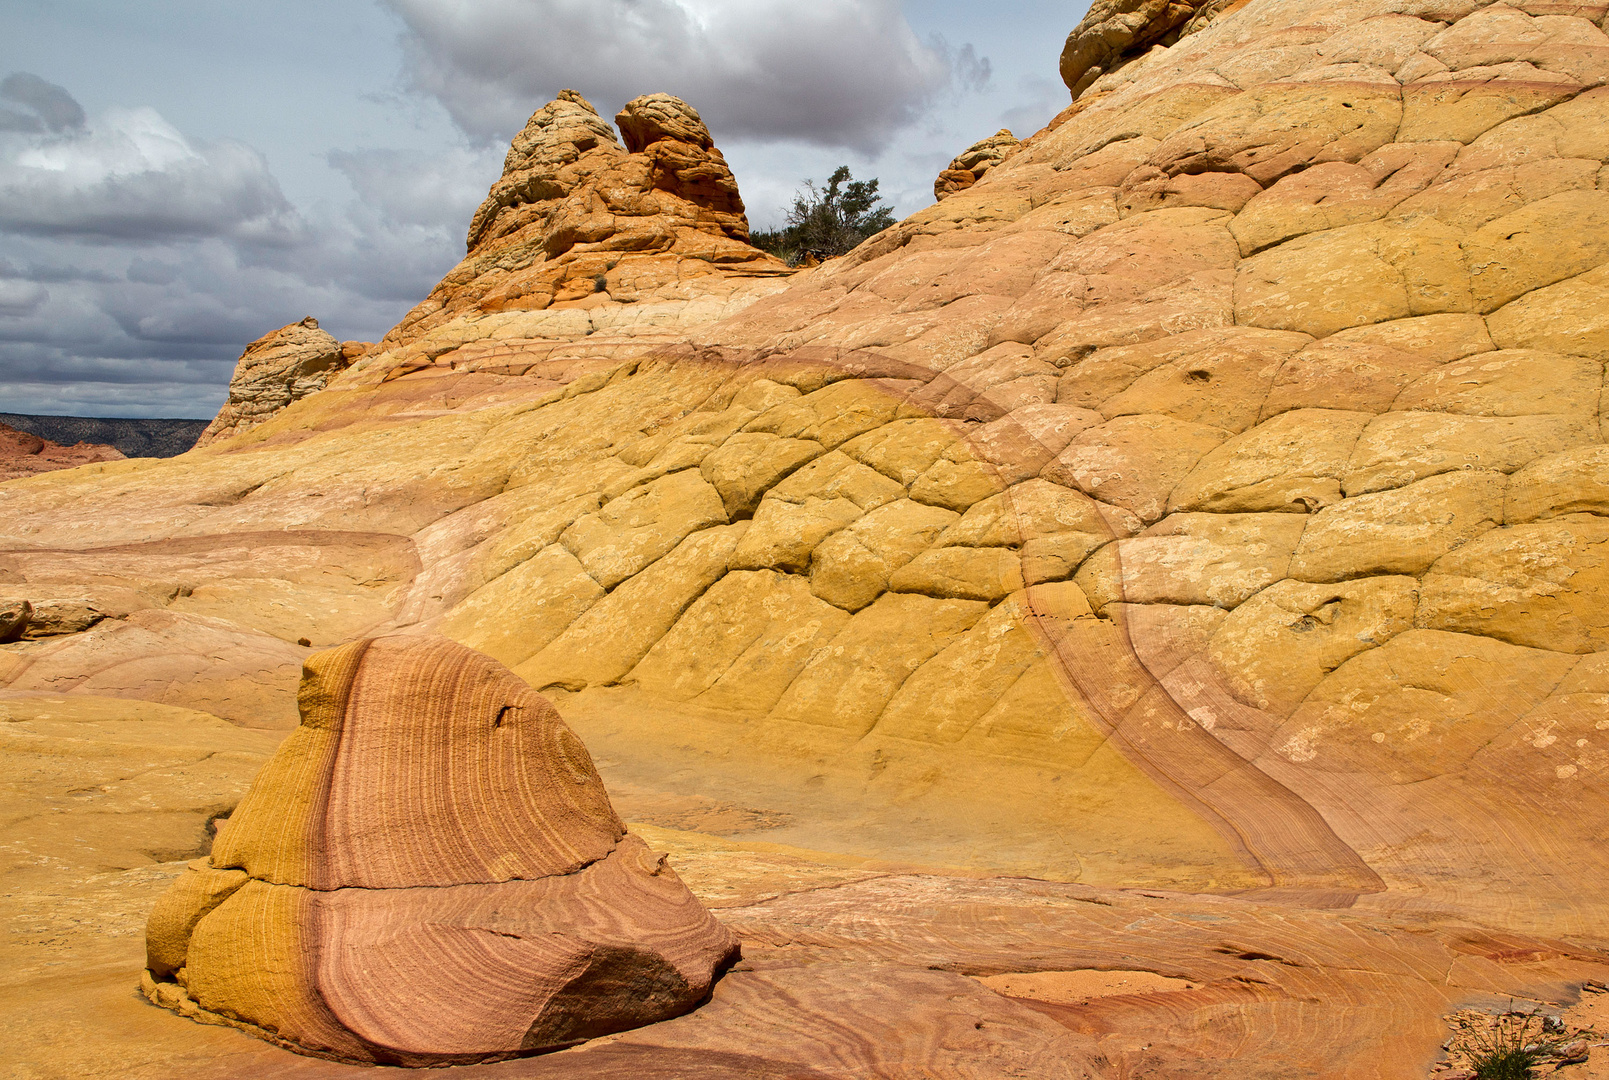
{"x":827,"y":221}
{"x":1509,"y":1046}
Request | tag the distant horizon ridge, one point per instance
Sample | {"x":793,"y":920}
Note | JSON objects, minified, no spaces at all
{"x":203,"y":420}
{"x":134,"y":436}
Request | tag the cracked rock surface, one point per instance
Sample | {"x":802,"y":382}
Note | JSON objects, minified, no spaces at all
{"x":1149,"y":471}
{"x":1208,"y":499}
{"x":585,"y":234}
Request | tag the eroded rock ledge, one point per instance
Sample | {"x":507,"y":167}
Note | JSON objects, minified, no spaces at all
{"x":968,"y":167}
{"x":1115,"y":32}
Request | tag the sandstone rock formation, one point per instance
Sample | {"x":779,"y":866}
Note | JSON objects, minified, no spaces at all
{"x":850,"y":966}
{"x":23,"y":454}
{"x":1124,"y":479}
{"x":969,"y":165}
{"x":429,"y":871}
{"x":1211,"y":501}
{"x":583,"y":249}
{"x":277,"y":369}
{"x":1115,"y":32}
{"x":645,"y":237}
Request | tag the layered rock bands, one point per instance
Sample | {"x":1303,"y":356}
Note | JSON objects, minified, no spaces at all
{"x":429,"y":871}
{"x":580,"y":222}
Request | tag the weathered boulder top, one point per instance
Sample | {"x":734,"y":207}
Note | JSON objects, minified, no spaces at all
{"x":648,"y":119}
{"x":429,"y":871}
{"x":968,"y":167}
{"x":278,"y":368}
{"x":1115,"y":32}
{"x":578,"y":217}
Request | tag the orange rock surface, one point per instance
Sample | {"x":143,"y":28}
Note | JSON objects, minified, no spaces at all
{"x":1179,"y":551}
{"x":969,"y":165}
{"x":582,"y":235}
{"x":1115,"y":32}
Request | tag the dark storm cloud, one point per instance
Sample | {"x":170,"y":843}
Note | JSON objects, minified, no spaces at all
{"x":154,"y":330}
{"x":148,"y":207}
{"x":52,"y":273}
{"x":45,"y":378}
{"x":21,"y":297}
{"x":46,"y":365}
{"x":831,"y":72}
{"x":152,"y":272}
{"x":47,"y":107}
{"x":188,"y":318}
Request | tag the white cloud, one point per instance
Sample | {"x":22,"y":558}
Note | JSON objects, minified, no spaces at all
{"x":132,"y":176}
{"x":831,"y":72}
{"x":18,"y":298}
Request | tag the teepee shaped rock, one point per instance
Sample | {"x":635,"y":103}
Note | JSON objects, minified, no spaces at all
{"x":427,"y":872}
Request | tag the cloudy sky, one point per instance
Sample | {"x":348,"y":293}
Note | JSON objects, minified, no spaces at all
{"x":178,"y":177}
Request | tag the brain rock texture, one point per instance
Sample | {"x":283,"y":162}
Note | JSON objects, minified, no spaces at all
{"x":1211,"y":496}
{"x":429,"y":871}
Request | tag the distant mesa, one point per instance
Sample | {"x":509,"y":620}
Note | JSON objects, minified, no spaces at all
{"x":970,"y":164}
{"x":23,"y":453}
{"x":135,"y":437}
{"x":428,"y":872}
